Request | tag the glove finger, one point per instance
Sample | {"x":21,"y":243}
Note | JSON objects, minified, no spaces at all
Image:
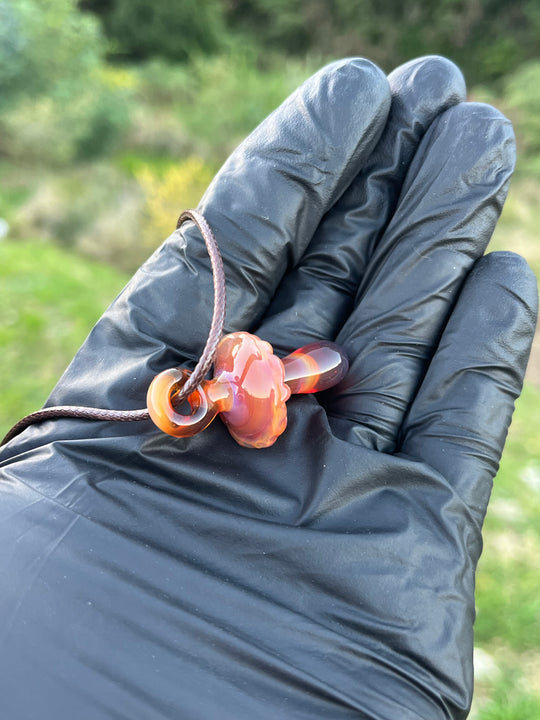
{"x":263,"y":206}
{"x":459,"y":420}
{"x":450,"y":203}
{"x":317,"y":296}
{"x":270,"y":196}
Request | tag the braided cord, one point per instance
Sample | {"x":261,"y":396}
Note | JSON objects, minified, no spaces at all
{"x":218,"y":317}
{"x":199,"y":372}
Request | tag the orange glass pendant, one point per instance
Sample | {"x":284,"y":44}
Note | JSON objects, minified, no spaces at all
{"x":250,"y":388}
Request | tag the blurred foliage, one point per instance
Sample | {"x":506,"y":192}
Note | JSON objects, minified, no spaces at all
{"x":65,"y":205}
{"x":224,"y":98}
{"x":518,"y":97}
{"x":508,"y":604}
{"x":94,"y":209}
{"x":141,"y":29}
{"x":213,"y":102}
{"x":59,"y":102}
{"x":180,"y":186}
{"x":522,"y":98}
{"x":50,"y":299}
{"x":510,"y":701}
{"x":60,"y":130}
{"x":46,"y":47}
{"x":487,"y":38}
{"x":105,"y":215}
{"x":517,"y":229}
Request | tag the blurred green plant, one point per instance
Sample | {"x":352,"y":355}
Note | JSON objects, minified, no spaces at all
{"x":92,"y":208}
{"x":59,"y":102}
{"x":46,"y":48}
{"x":50,"y":298}
{"x":207,"y":106}
{"x":144,"y":213}
{"x":222,"y":99}
{"x":107,"y":216}
{"x":108,"y":113}
{"x":141,"y":28}
{"x":522,"y":99}
{"x":179,"y":187}
{"x":55,"y":132}
{"x":517,"y":229}
{"x":508,"y":604}
{"x":510,"y":701}
{"x":487,"y":38}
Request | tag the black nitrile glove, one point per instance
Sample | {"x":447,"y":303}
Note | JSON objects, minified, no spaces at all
{"x":332,"y":575}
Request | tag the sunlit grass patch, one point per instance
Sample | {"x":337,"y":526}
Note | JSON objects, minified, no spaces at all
{"x":49,"y":300}
{"x":507,"y":590}
{"x":517,"y":229}
{"x":507,"y":627}
{"x":508,"y":698}
{"x":507,"y":594}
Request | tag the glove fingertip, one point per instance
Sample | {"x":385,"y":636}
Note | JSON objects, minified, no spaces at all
{"x":515,"y":272}
{"x":433,"y":76}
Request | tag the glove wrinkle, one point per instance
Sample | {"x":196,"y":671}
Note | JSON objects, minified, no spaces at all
{"x":316,"y":297}
{"x":450,"y":202}
{"x":460,"y":417}
{"x":224,"y":580}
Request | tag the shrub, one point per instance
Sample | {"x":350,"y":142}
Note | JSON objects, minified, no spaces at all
{"x":58,"y":131}
{"x":181,"y":186}
{"x":46,"y":47}
{"x":156,"y":133}
{"x":92,"y":209}
{"x":51,"y":298}
{"x":58,"y":102}
{"x":175,"y":30}
{"x":108,"y":113}
{"x":224,"y":98}
{"x":522,"y":102}
{"x":160,"y":82}
{"x":102,"y":214}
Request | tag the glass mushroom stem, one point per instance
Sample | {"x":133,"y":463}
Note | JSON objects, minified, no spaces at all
{"x":249,"y":389}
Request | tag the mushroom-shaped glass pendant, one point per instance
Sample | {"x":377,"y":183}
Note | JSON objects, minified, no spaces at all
{"x":250,"y":388}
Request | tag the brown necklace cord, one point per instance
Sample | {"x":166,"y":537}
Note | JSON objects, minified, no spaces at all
{"x":199,"y":372}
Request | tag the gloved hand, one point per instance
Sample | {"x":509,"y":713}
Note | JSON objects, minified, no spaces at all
{"x":331,"y":575}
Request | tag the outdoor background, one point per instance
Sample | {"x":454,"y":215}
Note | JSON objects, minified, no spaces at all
{"x":114,"y":116}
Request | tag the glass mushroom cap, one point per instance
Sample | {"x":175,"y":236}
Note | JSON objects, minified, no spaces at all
{"x":249,"y":389}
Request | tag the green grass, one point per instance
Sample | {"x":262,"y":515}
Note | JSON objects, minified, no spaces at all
{"x":49,"y":300}
{"x":507,"y":596}
{"x":132,"y":162}
{"x":507,"y":587}
{"x":509,"y":701}
{"x":517,"y":230}
{"x":16,"y":185}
